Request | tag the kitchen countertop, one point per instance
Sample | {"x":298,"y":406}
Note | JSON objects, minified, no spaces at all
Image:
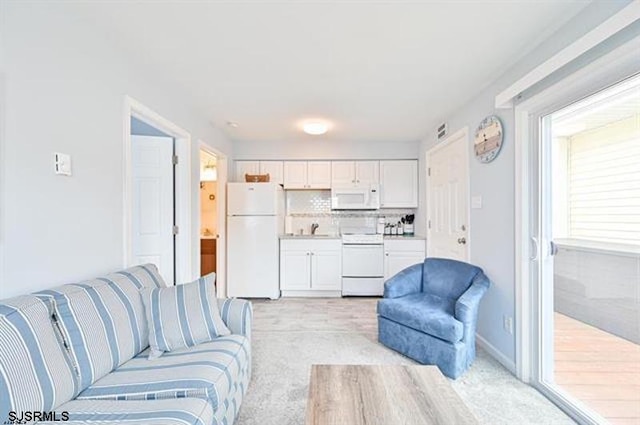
{"x":391,"y":237}
{"x":310,"y":237}
{"x":399,"y":237}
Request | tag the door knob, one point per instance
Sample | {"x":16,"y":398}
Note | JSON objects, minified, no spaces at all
{"x":462,"y":241}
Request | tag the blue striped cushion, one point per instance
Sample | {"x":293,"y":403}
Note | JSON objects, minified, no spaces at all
{"x":188,"y":411}
{"x":103,"y":320}
{"x":183,"y":315}
{"x":212,"y":371}
{"x":36,"y":372}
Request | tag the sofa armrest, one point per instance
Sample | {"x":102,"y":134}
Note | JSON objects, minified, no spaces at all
{"x":466,"y":309}
{"x":237,"y":314}
{"x":408,"y":281}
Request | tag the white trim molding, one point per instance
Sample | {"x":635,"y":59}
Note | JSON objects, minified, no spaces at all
{"x":613,"y":25}
{"x":496,"y":354}
{"x":183,"y":246}
{"x":612,"y":67}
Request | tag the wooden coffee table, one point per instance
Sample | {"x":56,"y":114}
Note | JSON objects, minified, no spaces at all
{"x":383,"y":395}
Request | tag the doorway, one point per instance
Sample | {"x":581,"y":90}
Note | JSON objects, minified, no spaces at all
{"x":212,"y":215}
{"x":448,"y":198}
{"x":157,"y":193}
{"x":208,"y":212}
{"x":588,"y":209}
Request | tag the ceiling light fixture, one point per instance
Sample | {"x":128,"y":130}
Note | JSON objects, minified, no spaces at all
{"x":232,"y":124}
{"x":315,"y":128}
{"x":209,"y":173}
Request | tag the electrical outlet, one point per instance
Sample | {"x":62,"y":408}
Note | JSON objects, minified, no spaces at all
{"x":507,"y":324}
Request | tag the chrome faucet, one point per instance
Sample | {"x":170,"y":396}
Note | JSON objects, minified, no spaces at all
{"x":314,"y":227}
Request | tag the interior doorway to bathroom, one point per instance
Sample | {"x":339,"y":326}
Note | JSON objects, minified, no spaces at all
{"x":209,"y":199}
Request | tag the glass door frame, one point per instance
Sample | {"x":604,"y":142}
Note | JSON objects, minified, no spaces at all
{"x":533,"y":243}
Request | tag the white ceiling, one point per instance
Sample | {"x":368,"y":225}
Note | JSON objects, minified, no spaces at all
{"x":379,"y":71}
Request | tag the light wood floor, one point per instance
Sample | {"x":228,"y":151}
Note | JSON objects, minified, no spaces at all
{"x":598,"y":368}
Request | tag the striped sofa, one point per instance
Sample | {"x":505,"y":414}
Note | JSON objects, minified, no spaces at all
{"x":79,"y":353}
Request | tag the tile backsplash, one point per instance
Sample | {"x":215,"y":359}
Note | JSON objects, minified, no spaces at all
{"x":314,"y":206}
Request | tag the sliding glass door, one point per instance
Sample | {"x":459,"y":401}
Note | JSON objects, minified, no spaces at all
{"x":585,"y":221}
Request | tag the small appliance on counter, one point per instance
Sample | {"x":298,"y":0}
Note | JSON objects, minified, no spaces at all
{"x":381,"y":225}
{"x":288,"y":225}
{"x":408,"y":224}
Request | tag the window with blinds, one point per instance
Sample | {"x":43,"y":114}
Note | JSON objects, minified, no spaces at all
{"x":604,"y":183}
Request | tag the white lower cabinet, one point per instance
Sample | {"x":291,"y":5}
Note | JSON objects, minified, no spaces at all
{"x":402,"y":253}
{"x":310,"y":267}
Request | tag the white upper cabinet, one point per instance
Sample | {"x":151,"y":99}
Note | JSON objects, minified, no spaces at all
{"x":319,"y":175}
{"x":307,"y":175}
{"x":343,"y":173}
{"x":246,"y":167}
{"x":295,"y":175}
{"x":399,"y":184}
{"x":275,"y":169}
{"x":367,"y":172}
{"x":349,"y":173}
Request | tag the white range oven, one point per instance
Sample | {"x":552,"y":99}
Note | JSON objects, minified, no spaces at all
{"x":362,"y":263}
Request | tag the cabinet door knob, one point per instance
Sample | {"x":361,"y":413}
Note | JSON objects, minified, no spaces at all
{"x":386,"y":253}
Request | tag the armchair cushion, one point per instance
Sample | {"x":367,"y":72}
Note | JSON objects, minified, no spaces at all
{"x":447,"y":278}
{"x":408,"y":281}
{"x":424,"y":312}
{"x":466,"y":307}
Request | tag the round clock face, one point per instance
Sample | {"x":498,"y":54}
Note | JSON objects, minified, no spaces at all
{"x":488,"y":139}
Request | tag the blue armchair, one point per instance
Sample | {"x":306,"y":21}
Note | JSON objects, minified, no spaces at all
{"x":429,"y":313}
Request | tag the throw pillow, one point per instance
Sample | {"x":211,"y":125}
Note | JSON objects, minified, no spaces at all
{"x":183,"y":315}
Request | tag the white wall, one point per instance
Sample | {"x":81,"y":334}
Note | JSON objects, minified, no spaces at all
{"x":492,"y":232}
{"x":322,"y":149}
{"x":65,"y":85}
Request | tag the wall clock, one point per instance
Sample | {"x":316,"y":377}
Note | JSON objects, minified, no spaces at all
{"x":488,"y":141}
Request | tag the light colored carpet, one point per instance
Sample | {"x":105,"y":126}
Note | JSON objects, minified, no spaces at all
{"x":289,"y":335}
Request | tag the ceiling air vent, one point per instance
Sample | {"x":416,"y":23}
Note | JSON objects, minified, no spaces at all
{"x":443,"y":129}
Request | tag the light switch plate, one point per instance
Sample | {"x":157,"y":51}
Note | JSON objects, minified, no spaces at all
{"x":476,"y":202}
{"x":62,"y":164}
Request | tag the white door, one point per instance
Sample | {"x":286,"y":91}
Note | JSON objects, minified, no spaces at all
{"x":246,"y":167}
{"x":152,"y":215}
{"x":253,"y":257}
{"x":319,"y":175}
{"x":367,"y":172}
{"x":399,"y":184}
{"x":295,"y":274}
{"x":326,"y":270}
{"x":448,"y":199}
{"x":343,"y":173}
{"x":275,"y":169}
{"x":295,"y":174}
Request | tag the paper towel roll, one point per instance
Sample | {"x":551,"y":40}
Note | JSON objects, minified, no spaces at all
{"x":288,"y":225}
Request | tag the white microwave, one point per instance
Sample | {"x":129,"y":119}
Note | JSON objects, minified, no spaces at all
{"x":364,"y":197}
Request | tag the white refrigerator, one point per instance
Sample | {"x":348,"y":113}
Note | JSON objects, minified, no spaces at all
{"x":255,"y":220}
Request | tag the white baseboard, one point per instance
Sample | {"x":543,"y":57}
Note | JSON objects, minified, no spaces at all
{"x":312,"y":294}
{"x":496,"y":354}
